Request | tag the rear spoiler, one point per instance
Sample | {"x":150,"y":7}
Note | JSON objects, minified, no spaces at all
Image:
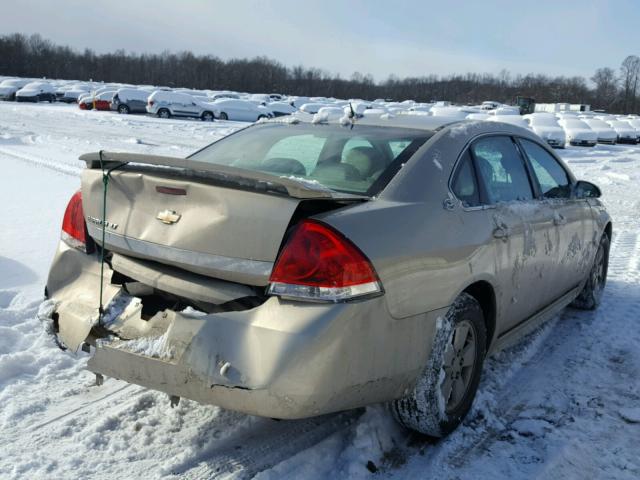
{"x":294,"y":188}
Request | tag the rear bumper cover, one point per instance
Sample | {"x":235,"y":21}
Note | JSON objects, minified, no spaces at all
{"x":282,"y":359}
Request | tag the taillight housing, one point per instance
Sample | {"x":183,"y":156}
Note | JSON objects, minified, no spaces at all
{"x":74,"y":228}
{"x":318,"y":263}
{"x":151,"y":103}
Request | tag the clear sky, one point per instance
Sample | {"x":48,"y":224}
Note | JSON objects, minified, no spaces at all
{"x":381,"y":37}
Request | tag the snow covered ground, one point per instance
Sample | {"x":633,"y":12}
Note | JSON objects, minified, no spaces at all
{"x":563,"y":403}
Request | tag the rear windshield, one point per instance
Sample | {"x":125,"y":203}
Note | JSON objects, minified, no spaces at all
{"x":359,"y":159}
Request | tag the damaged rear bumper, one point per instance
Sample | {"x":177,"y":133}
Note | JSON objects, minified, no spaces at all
{"x":280,"y":359}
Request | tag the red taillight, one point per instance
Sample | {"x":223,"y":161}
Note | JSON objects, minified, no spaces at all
{"x":151,"y":103}
{"x":319,"y":263}
{"x":74,"y":229}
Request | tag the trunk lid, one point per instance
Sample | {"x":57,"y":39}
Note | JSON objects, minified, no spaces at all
{"x":225,"y":223}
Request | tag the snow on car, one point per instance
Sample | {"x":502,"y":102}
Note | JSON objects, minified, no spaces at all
{"x":578,"y":133}
{"x":510,"y":119}
{"x":312,"y":107}
{"x":280,"y":109}
{"x":167,"y":104}
{"x":130,"y":100}
{"x":606,"y":134}
{"x":101,"y":101}
{"x":240,"y":110}
{"x":547,"y":127}
{"x":36,"y":92}
{"x":10,"y":86}
{"x":624,"y":131}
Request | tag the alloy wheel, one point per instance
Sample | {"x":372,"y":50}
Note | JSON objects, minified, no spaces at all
{"x":458,"y":365}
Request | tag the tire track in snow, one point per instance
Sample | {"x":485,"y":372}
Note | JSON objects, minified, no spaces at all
{"x":247,"y":453}
{"x":50,"y":164}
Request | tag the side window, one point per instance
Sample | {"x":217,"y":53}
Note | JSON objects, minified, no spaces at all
{"x":502,"y":170}
{"x":464,"y":182}
{"x":553,"y":179}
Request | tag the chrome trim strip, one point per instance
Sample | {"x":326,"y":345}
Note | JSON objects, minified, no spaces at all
{"x":256,"y":269}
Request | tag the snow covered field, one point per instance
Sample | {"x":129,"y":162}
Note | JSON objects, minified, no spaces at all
{"x":563,"y":403}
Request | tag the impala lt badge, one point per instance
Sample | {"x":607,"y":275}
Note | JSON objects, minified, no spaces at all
{"x":100,"y":222}
{"x":168,"y":217}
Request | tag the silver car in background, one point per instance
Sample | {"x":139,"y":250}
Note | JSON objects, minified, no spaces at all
{"x":167,"y":104}
{"x":298,"y":268}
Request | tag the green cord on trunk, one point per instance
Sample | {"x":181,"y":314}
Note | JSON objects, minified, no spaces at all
{"x":105,"y":186}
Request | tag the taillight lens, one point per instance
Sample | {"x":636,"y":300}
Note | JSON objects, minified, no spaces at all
{"x":318,"y":263}
{"x":74,"y":228}
{"x":151,"y":103}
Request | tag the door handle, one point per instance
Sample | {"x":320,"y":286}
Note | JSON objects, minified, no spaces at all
{"x":559,"y":219}
{"x":501,"y":232}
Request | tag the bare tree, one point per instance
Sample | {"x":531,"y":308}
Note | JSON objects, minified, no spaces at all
{"x":606,"y":88}
{"x":629,"y":77}
{"x":37,"y":57}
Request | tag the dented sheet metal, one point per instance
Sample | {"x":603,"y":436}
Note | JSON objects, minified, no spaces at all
{"x":74,"y":285}
{"x":220,"y":232}
{"x":179,"y":282}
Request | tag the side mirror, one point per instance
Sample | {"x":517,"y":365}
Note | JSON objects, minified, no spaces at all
{"x":586,"y":189}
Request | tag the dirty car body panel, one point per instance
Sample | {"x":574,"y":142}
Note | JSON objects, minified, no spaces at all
{"x":190,"y":246}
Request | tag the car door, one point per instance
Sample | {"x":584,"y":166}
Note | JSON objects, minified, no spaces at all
{"x":573,"y":225}
{"x":521,"y":226}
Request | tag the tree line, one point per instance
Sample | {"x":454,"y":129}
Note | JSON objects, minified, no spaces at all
{"x":34,"y":56}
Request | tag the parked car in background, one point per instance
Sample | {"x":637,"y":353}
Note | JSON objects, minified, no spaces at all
{"x":36,"y":92}
{"x":10,"y":86}
{"x":102,"y":101}
{"x":240,"y":110}
{"x":311,"y":268}
{"x":625,"y":132}
{"x":312,"y":107}
{"x":165,"y":104}
{"x":606,"y":134}
{"x":634,"y":122}
{"x":72,"y":94}
{"x":130,"y":100}
{"x":219,"y":95}
{"x":454,"y":113}
{"x":546,"y":126}
{"x":478,"y":116}
{"x":578,"y":133}
{"x":280,"y":109}
{"x":516,"y":120}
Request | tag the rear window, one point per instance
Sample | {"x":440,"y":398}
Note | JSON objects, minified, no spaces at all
{"x":358,"y":160}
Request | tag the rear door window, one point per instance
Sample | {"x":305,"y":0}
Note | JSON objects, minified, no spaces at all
{"x":464,"y":182}
{"x":502,"y":170}
{"x":552,"y":178}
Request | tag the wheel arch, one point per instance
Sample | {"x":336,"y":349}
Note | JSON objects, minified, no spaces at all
{"x":608,"y":230}
{"x":485,"y":295}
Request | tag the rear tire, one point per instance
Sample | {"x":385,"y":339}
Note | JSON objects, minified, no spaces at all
{"x":223,"y":116}
{"x":260,"y":117}
{"x":445,"y":390}
{"x":164,"y":113}
{"x":123,"y":109}
{"x":591,"y":294}
{"x":207,"y":117}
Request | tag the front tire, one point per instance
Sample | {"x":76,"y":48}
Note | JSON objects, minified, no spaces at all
{"x":444,"y":393}
{"x":207,"y":117}
{"x":223,"y":116}
{"x":591,"y":294}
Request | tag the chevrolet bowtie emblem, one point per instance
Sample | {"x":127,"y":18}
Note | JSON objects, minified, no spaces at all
{"x":168,"y":216}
